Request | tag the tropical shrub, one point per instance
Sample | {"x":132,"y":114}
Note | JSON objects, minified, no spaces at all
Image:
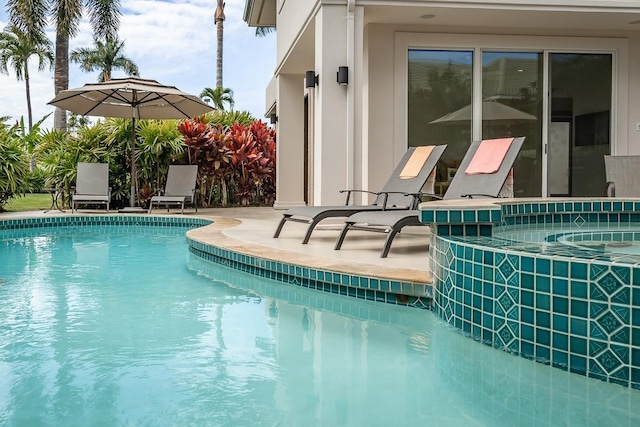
{"x":228,"y":118}
{"x":158,"y":144}
{"x":236,"y":164}
{"x":14,"y":168}
{"x":59,"y":153}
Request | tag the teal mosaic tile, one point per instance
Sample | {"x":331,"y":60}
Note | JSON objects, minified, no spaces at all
{"x":543,"y":319}
{"x":427,"y":216}
{"x":579,"y":285}
{"x":543,"y":301}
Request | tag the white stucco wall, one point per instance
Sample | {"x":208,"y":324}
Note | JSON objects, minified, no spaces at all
{"x":386,"y":80}
{"x":330,"y":148}
{"x":312,"y":35}
{"x":290,"y":147}
{"x":293,"y":17}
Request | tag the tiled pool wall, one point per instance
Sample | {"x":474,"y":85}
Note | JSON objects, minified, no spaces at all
{"x":548,"y":302}
{"x":321,"y":301}
{"x":410,"y":294}
{"x":102,"y":220}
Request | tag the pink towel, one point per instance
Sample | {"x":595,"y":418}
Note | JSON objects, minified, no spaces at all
{"x":489,"y":156}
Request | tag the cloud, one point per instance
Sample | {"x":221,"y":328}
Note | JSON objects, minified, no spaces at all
{"x":173,"y":42}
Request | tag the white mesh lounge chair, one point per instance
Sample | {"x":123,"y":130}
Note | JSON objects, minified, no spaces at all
{"x":92,"y":185}
{"x":623,"y":176}
{"x":180,"y":188}
{"x":399,"y":193}
{"x":483,"y":185}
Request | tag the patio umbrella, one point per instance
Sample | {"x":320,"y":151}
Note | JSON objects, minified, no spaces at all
{"x":492,"y":111}
{"x":131,"y":97}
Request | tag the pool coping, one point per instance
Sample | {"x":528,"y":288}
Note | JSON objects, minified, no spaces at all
{"x":400,"y":286}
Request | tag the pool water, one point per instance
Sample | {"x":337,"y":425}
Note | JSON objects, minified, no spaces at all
{"x":606,"y":238}
{"x":123,"y":327}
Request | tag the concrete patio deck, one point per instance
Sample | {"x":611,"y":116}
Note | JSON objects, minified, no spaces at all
{"x":249,"y":230}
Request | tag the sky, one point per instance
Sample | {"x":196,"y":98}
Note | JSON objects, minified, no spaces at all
{"x":173,"y":42}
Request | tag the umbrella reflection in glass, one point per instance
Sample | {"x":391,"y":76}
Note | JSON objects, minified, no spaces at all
{"x":131,"y":97}
{"x":492,"y":111}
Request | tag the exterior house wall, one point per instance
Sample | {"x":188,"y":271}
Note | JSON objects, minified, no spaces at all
{"x":330,"y":151}
{"x":387,"y":80}
{"x":359,"y":132}
{"x":290,"y":155}
{"x":293,"y":17}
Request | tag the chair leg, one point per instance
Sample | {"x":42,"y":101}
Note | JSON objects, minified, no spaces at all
{"x":343,"y":234}
{"x":387,"y":244}
{"x":312,"y":226}
{"x":284,"y":219}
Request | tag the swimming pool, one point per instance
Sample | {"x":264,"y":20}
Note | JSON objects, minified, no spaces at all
{"x":122,"y":325}
{"x":557,"y":281}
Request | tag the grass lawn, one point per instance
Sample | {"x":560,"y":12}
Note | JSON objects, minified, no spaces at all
{"x":29,"y":202}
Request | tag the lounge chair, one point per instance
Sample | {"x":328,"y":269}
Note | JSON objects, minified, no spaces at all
{"x":92,"y":185}
{"x":463,"y":185}
{"x":179,"y":189}
{"x":623,"y":176}
{"x":399,"y":193}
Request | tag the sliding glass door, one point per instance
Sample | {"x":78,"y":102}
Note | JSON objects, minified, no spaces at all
{"x":579,"y":124}
{"x":452,"y":100}
{"x":439,"y":84}
{"x":512,"y":106}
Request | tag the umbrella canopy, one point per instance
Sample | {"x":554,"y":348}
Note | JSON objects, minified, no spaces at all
{"x":131,"y":97}
{"x":492,"y":111}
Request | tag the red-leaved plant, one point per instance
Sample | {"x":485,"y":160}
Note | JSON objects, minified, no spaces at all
{"x":239,"y":161}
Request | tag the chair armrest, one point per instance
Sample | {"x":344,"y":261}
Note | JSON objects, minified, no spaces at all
{"x":470,"y":196}
{"x":417,"y":198}
{"x":355,"y":191}
{"x":386,"y":196}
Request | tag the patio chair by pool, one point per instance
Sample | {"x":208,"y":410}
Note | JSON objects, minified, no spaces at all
{"x":179,"y":189}
{"x":490,"y":175}
{"x":92,"y":185}
{"x":399,"y":193}
{"x":623,"y":176}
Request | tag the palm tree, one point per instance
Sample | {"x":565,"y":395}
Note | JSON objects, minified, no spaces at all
{"x":263,"y":31}
{"x":77,"y":121}
{"x":104,"y":16}
{"x":31,"y":16}
{"x":219,"y":96}
{"x":219,"y":20}
{"x":105,"y":57}
{"x":16,"y":47}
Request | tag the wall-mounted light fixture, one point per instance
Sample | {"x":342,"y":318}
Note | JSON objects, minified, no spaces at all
{"x":273,"y":118}
{"x":343,"y":75}
{"x":310,"y":79}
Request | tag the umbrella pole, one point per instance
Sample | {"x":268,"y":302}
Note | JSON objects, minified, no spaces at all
{"x":132,"y":199}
